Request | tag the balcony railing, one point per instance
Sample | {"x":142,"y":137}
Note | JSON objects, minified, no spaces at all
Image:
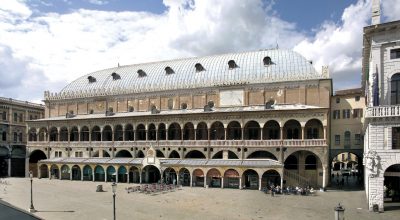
{"x":186,"y":143}
{"x":382,"y":111}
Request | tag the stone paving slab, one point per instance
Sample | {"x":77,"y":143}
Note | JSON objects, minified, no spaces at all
{"x":64,"y":199}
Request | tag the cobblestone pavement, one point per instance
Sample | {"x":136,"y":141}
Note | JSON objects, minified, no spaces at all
{"x":63,"y":199}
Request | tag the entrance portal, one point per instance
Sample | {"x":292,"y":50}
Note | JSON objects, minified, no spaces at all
{"x":151,"y":174}
{"x":392,"y":188}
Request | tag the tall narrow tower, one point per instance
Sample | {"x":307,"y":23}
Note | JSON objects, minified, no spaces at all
{"x":376,"y":12}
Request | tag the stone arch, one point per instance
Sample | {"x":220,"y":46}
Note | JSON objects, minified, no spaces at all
{"x":231,"y":178}
{"x":64,"y":134}
{"x":122,"y":174}
{"x":198,"y":177}
{"x":134,"y":175}
{"x":151,"y":132}
{"x":76,"y":172}
{"x":65,"y":172}
{"x":159,"y":154}
{"x":395,"y":88}
{"x":32,"y":136}
{"x":220,"y":155}
{"x":188,"y":131}
{"x":214,"y":178}
{"x":129,"y":134}
{"x":55,"y":171}
{"x":234,"y":131}
{"x":99,"y":174}
{"x":292,"y":129}
{"x":314,"y":129}
{"x":140,"y":132}
{"x":170,"y":176}
{"x":391,"y":183}
{"x":74,"y":134}
{"x":87,"y":173}
{"x":34,"y":157}
{"x":174,"y":131}
{"x":123,"y":153}
{"x":250,"y":179}
{"x":96,"y":133}
{"x":85,"y":133}
{"x":43,"y":134}
{"x":118,"y":133}
{"x":184,"y":177}
{"x":271,"y":130}
{"x":201,"y":131}
{"x":53,"y":134}
{"x":162,"y":131}
{"x":252,"y":131}
{"x":107,"y":133}
{"x":174,"y":154}
{"x":111,"y":174}
{"x":217,"y":131}
{"x":262,"y":154}
{"x":151,"y":174}
{"x":195,"y":154}
{"x":270,"y":178}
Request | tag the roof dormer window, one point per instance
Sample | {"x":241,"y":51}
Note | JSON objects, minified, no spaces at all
{"x":199,"y":67}
{"x":169,"y":70}
{"x":115,"y":76}
{"x":232,"y":64}
{"x":91,"y":79}
{"x":141,"y":73}
{"x":267,"y":61}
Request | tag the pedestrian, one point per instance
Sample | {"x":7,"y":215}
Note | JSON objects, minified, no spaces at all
{"x":272,"y":191}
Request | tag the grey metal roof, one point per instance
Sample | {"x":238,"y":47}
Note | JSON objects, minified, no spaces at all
{"x":287,"y":66}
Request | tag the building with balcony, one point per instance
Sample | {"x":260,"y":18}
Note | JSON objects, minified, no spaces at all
{"x":347,"y":118}
{"x":13,"y":135}
{"x":381,"y":78}
{"x":239,"y":120}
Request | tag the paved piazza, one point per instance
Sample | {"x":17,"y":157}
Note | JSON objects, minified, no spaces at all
{"x":57,"y":199}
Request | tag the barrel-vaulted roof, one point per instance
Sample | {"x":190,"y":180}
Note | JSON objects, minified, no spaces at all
{"x":264,"y":66}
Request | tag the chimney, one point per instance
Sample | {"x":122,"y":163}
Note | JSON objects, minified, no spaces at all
{"x":376,"y":12}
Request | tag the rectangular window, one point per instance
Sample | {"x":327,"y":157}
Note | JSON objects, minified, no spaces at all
{"x":357,"y":98}
{"x":346,"y":113}
{"x":395,"y":53}
{"x":78,"y":154}
{"x":30,"y":117}
{"x":58,"y":154}
{"x":336,"y":114}
{"x":15,"y":117}
{"x":15,"y":137}
{"x":395,"y":137}
{"x":357,"y":139}
{"x":337,"y":100}
{"x":21,"y":117}
{"x":337,"y":139}
{"x":4,"y":116}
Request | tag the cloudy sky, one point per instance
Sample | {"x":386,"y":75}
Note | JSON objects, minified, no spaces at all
{"x":44,"y":45}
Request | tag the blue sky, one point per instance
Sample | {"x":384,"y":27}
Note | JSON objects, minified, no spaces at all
{"x":46,"y":44}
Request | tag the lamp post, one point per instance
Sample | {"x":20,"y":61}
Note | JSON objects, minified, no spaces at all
{"x":31,"y":208}
{"x":114,"y":189}
{"x":339,"y":212}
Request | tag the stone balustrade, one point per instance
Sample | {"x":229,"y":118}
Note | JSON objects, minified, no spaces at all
{"x":185,"y":143}
{"x":382,"y":111}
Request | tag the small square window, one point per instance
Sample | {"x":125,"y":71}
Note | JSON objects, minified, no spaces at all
{"x":395,"y":53}
{"x":357,"y":98}
{"x":337,"y":100}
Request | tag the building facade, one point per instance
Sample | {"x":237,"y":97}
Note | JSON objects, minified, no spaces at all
{"x":347,"y":118}
{"x":381,"y":77}
{"x":13,"y":131}
{"x":241,"y":120}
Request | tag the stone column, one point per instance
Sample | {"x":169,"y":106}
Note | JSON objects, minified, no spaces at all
{"x":259,"y":183}
{"x":222,"y":182}
{"x":324,"y":177}
{"x":177,"y":178}
{"x":105,"y":175}
{"x":9,"y":167}
{"x":226,"y":132}
{"x":302,"y":133}
{"x":140,"y":177}
{"x":191,"y":180}
{"x":324,"y":132}
{"x":205,"y":181}
{"x":116,"y":176}
{"x":81,"y":173}
{"x":282,"y":181}
{"x":49,"y":172}
{"x":281,"y":133}
{"x":240,"y":182}
{"x":93,"y":174}
{"x":128,"y":176}
{"x":70,"y":174}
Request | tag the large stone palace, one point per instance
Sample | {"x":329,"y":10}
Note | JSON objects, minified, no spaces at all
{"x":239,"y":120}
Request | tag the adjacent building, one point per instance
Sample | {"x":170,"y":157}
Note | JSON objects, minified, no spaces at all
{"x":381,"y":78}
{"x":239,"y":120}
{"x":13,"y":135}
{"x":347,"y":118}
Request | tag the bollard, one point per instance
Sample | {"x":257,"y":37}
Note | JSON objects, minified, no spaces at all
{"x":339,"y":212}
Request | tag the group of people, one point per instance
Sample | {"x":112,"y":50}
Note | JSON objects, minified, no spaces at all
{"x":308,"y":190}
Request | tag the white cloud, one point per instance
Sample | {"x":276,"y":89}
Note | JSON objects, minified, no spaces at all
{"x":63,"y":47}
{"x":340,"y":45}
{"x":98,"y":2}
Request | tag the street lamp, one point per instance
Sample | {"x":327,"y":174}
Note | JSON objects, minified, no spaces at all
{"x":114,"y":190}
{"x":31,"y":208}
{"x":339,"y":212}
